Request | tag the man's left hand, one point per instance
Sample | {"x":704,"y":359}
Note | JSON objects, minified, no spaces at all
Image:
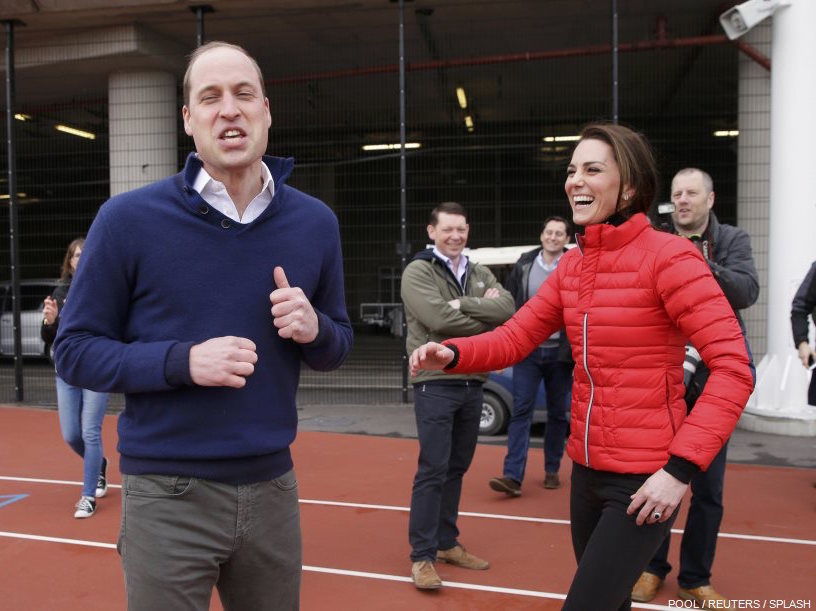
{"x":293,"y":315}
{"x":660,"y":493}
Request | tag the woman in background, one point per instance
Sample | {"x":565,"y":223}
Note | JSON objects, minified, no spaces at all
{"x":629,"y":297}
{"x":81,"y":411}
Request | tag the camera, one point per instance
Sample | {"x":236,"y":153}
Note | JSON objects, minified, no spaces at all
{"x":737,"y":20}
{"x":660,"y":215}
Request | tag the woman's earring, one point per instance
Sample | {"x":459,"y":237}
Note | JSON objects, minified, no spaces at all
{"x":626,"y":197}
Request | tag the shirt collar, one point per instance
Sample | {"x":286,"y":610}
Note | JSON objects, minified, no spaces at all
{"x":206,"y":182}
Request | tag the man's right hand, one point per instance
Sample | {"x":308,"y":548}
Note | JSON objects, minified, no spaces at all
{"x":805,"y":354}
{"x":223,"y":361}
{"x":430,"y":356}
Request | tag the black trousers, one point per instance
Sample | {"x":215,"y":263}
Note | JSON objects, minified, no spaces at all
{"x":611,"y":549}
{"x":447,"y":417}
{"x":812,"y":390}
{"x":702,"y":527}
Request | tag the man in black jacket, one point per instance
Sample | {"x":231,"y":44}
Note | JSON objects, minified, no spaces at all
{"x":728,"y":252}
{"x":804,"y":305}
{"x":550,"y":362}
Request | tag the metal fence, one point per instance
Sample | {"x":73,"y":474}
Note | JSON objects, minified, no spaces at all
{"x":531,"y":74}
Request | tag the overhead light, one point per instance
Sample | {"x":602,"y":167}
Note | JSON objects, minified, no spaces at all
{"x":469,"y":123}
{"x":75,"y":132}
{"x":7,"y":196}
{"x":460,"y":95}
{"x":726,"y":133}
{"x":390,"y":147}
{"x":22,"y":117}
{"x":561,"y":138}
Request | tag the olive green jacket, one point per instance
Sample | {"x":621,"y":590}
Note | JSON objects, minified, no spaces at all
{"x":427,"y":287}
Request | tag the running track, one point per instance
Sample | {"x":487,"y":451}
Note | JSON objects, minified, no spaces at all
{"x":354,"y":492}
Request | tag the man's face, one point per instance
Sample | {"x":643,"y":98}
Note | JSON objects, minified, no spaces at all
{"x":450,"y":234}
{"x":692,"y":202}
{"x":554,"y":237}
{"x":227,"y":115}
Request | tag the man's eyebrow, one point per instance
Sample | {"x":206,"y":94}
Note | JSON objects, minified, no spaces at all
{"x":214,"y":87}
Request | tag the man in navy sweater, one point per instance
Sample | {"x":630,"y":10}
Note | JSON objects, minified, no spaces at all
{"x":199,"y":296}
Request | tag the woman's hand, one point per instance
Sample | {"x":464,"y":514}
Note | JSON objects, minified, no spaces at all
{"x":657,"y":498}
{"x":49,"y":310}
{"x":430,"y":356}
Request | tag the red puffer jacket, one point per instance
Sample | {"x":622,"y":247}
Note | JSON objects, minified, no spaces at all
{"x":629,"y":298}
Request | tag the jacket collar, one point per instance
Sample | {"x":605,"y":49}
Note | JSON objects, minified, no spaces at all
{"x":610,"y":237}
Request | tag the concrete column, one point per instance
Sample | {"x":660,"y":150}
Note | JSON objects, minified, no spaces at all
{"x":754,"y":172}
{"x":779,"y":403}
{"x":142,"y":112}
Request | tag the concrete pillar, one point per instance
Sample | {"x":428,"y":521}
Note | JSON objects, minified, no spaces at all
{"x":143,"y":111}
{"x":754,"y":172}
{"x":779,"y":403}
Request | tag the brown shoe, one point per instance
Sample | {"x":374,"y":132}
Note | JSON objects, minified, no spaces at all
{"x":646,"y":587}
{"x":504,"y":484}
{"x":706,"y":596}
{"x":552,"y":481}
{"x":424,"y":575}
{"x":458,"y":556}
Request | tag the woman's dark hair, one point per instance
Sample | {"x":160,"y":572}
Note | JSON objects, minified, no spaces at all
{"x":65,"y":272}
{"x":635,"y":159}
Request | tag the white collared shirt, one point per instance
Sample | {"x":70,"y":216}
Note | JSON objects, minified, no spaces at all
{"x":463,"y":263}
{"x":543,"y":264}
{"x":215,"y":194}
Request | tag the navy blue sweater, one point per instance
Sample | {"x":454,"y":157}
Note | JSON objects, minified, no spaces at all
{"x":161,"y":270}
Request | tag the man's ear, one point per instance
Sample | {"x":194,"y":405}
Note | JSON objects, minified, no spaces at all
{"x":185,"y":114}
{"x":711,"y":200}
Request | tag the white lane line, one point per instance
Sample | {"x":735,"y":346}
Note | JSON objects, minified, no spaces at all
{"x":33,"y":480}
{"x":471,"y":514}
{"x":12,"y":535}
{"x":348,"y":573}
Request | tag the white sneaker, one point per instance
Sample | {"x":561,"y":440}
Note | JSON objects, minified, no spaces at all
{"x":86,"y":507}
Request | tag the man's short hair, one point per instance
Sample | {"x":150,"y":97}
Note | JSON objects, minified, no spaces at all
{"x":216,"y":44}
{"x":557,"y":219}
{"x":447,"y":208}
{"x":708,"y":183}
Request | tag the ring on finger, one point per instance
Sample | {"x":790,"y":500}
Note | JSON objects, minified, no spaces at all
{"x":656,"y":515}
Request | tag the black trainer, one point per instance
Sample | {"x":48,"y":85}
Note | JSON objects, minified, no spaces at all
{"x":101,"y":480}
{"x":86,"y":507}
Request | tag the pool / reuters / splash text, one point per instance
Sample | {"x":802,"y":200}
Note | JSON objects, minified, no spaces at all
{"x":744,"y":603}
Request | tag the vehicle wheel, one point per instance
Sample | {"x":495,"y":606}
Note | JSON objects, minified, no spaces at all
{"x":494,"y":415}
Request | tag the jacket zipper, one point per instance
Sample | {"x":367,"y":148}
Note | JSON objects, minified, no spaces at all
{"x":591,"y":392}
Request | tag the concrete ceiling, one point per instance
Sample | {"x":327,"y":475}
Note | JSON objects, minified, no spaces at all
{"x":67,"y":48}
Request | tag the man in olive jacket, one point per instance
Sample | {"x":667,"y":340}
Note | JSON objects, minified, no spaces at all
{"x":445,"y":295}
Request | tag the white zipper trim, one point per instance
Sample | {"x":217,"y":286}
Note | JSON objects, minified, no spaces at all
{"x":591,"y":394}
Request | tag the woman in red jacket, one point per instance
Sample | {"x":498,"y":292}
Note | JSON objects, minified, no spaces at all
{"x":629,"y":296}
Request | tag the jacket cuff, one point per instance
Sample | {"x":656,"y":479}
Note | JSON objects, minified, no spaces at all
{"x":455,"y":360}
{"x":177,"y":365}
{"x":681,"y":468}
